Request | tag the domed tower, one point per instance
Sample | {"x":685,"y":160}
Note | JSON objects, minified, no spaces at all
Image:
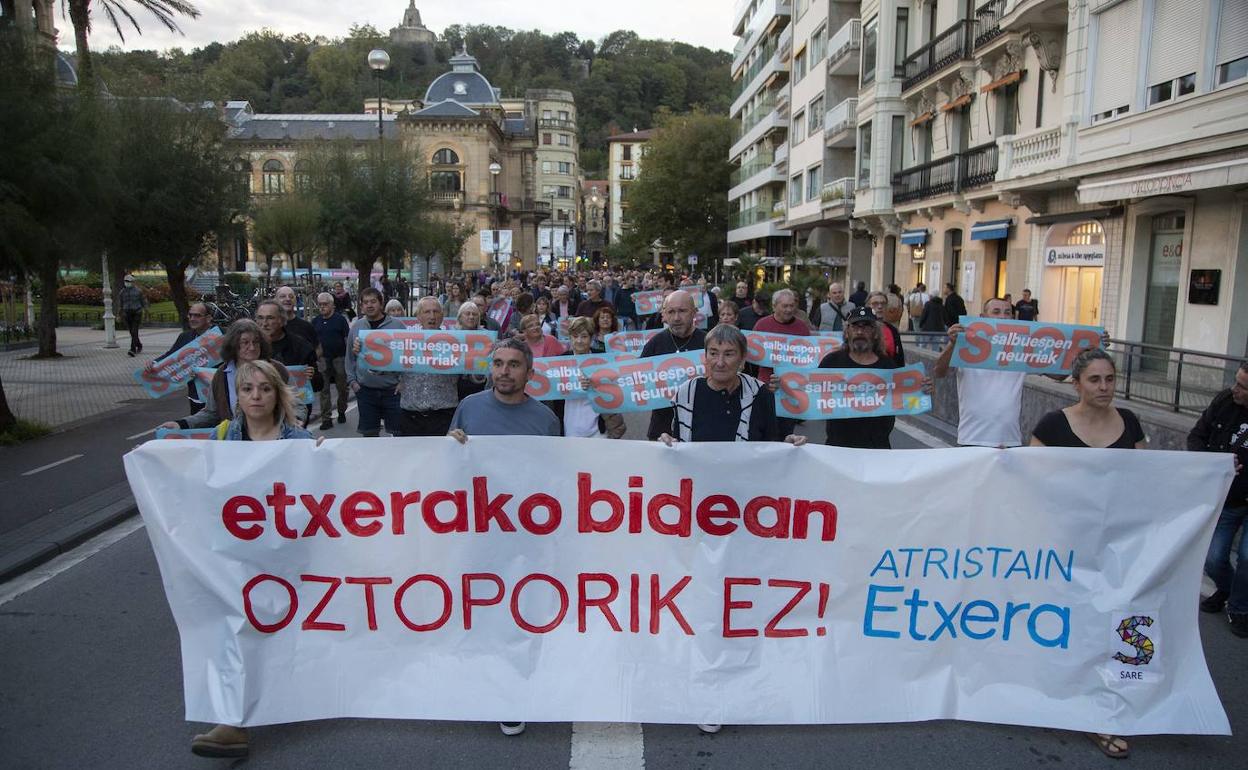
{"x":412,"y":31}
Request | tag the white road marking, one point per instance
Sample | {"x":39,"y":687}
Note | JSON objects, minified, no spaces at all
{"x":351,"y":408}
{"x":608,"y":746}
{"x":141,"y":435}
{"x":923,"y":437}
{"x":45,"y":572}
{"x":43,"y":468}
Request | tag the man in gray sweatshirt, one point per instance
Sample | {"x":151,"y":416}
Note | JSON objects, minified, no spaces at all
{"x":375,"y":392}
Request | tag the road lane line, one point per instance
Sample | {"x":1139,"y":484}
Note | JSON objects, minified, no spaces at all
{"x":607,"y":746}
{"x":66,"y":561}
{"x":141,"y":435}
{"x":43,"y":468}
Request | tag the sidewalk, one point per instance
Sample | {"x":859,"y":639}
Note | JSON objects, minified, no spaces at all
{"x":88,"y":381}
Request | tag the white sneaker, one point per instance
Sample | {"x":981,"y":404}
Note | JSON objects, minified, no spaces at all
{"x":512,"y":728}
{"x":710,"y":729}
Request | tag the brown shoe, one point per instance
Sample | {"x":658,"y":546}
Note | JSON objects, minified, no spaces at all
{"x":221,"y":741}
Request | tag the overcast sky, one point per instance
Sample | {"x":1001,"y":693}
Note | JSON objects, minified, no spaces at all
{"x":699,"y":22}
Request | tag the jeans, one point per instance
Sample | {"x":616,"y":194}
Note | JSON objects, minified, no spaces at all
{"x":1233,"y":581}
{"x":433,"y":423}
{"x":133,"y":318}
{"x":333,"y":370}
{"x":376,"y":405}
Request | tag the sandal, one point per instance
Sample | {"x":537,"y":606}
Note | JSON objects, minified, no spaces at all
{"x":1112,"y":746}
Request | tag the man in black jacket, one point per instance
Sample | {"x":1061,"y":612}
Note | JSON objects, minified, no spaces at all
{"x":955,"y":306}
{"x":1223,"y":427}
{"x":198,"y":321}
{"x":679,"y":336}
{"x":287,"y":348}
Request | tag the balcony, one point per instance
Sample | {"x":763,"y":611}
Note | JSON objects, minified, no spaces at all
{"x":558,"y":124}
{"x":1035,"y":152}
{"x":1022,"y":15}
{"x":769,"y":123}
{"x":755,"y":215}
{"x":779,"y":210}
{"x":782,"y":102}
{"x":755,"y":116}
{"x":769,"y":11}
{"x":838,"y":194}
{"x":843,"y":49}
{"x":948,"y":176}
{"x":951,"y":46}
{"x":451,"y":198}
{"x":758,"y":163}
{"x":988,"y":22}
{"x":765,"y":56}
{"x":782,"y":154}
{"x":839,"y":123}
{"x":761,"y":221}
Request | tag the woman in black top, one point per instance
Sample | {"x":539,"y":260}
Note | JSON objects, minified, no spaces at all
{"x":1093,"y":422}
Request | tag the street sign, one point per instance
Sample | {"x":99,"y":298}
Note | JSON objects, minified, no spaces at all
{"x":693,"y":259}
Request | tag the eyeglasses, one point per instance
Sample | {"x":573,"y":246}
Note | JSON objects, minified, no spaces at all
{"x":195,"y":315}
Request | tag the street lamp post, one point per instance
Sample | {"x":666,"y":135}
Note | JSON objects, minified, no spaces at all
{"x":379,"y":60}
{"x":495,"y":170}
{"x":110,"y":320}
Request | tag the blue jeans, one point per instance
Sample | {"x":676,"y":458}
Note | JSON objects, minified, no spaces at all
{"x":1218,"y":562}
{"x":376,"y":405}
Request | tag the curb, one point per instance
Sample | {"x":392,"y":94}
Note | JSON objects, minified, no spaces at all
{"x":44,"y":539}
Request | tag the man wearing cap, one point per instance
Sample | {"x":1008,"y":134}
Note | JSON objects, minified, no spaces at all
{"x":863,"y":349}
{"x":133,"y":303}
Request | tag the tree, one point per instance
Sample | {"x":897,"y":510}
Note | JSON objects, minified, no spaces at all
{"x":681,"y":195}
{"x":56,"y":174}
{"x":179,"y":189}
{"x":165,"y":12}
{"x":442,"y":237}
{"x":371,"y":209}
{"x":288,"y":225}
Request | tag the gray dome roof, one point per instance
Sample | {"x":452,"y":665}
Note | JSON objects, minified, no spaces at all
{"x":464,"y":83}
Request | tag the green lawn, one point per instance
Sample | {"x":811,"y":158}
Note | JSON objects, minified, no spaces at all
{"x":96,"y":312}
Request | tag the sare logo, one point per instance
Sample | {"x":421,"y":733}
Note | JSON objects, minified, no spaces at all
{"x":1129,"y":632}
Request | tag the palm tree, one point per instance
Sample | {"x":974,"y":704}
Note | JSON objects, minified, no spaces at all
{"x":116,"y":11}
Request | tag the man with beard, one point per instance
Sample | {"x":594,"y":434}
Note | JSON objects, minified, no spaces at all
{"x":505,"y":410}
{"x":199,"y":320}
{"x":862,"y":350}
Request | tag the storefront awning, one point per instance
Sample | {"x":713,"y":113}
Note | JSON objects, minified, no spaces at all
{"x":992,"y":230}
{"x":958,"y":103}
{"x":1003,"y":81}
{"x":1226,"y":173}
{"x":913,"y":237}
{"x":920,"y":120}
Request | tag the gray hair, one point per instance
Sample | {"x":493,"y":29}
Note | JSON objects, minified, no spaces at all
{"x":877,"y":294}
{"x":513,"y":343}
{"x":726,"y":334}
{"x":423,"y":300}
{"x":324,"y":297}
{"x":1085,"y":359}
{"x":783,"y":293}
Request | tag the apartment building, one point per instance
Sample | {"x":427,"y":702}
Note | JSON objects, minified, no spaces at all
{"x":558,"y":169}
{"x":624,"y":154}
{"x":820,"y":148}
{"x":761,"y":104}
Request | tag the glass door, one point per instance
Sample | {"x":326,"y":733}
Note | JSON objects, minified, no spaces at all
{"x":1161,"y":303}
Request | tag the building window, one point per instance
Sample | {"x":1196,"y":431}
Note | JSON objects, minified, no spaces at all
{"x":795,"y":191}
{"x":1006,"y":99}
{"x":1114,"y":75}
{"x":1231,"y":55}
{"x":864,"y":155}
{"x":546,"y":114}
{"x":818,"y":44}
{"x":565,"y":140}
{"x":897,"y":144}
{"x":565,"y":191}
{"x":799,"y":127}
{"x":242,"y":167}
{"x":564,"y":115}
{"x":445,"y":157}
{"x":1171,"y":89}
{"x":902,"y":42}
{"x":546,"y":167}
{"x":563,"y":215}
{"x":273,"y":177}
{"x":870,"y":35}
{"x":814,"y":182}
{"x":799,"y":66}
{"x":444,"y":181}
{"x":628,"y":152}
{"x":547,"y":138}
{"x":628,"y":172}
{"x":814,"y":116}
{"x":565,"y":167}
{"x":1233,"y":70}
{"x":303,"y":176}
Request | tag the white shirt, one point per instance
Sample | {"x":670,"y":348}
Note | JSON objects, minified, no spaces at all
{"x":989,"y":404}
{"x":579,"y":418}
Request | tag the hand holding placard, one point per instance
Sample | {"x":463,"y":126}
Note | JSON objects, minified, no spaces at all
{"x":1021,"y":346}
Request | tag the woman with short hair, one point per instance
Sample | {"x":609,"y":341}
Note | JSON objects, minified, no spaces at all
{"x":540,"y":344}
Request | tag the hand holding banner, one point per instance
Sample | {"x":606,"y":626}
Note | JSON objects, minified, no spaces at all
{"x":642,"y":385}
{"x":1034,"y":347}
{"x":195,"y":434}
{"x":426,"y":351}
{"x":559,"y":377}
{"x":778,"y":350}
{"x":839,"y":394}
{"x":163,"y":376}
{"x":301,"y":384}
{"x":629,"y":342}
{"x":648,"y":302}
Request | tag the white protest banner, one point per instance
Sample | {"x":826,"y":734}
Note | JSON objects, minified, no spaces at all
{"x":724,"y":583}
{"x":167,"y":374}
{"x":426,"y":351}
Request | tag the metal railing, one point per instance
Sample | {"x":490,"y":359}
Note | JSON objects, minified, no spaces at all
{"x":988,"y":22}
{"x":445,"y":197}
{"x":751,"y":216}
{"x":977,"y":166}
{"x":952,"y":45}
{"x":563,"y":124}
{"x":936,"y":177}
{"x":755,"y":165}
{"x":765,"y":55}
{"x":842,"y":117}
